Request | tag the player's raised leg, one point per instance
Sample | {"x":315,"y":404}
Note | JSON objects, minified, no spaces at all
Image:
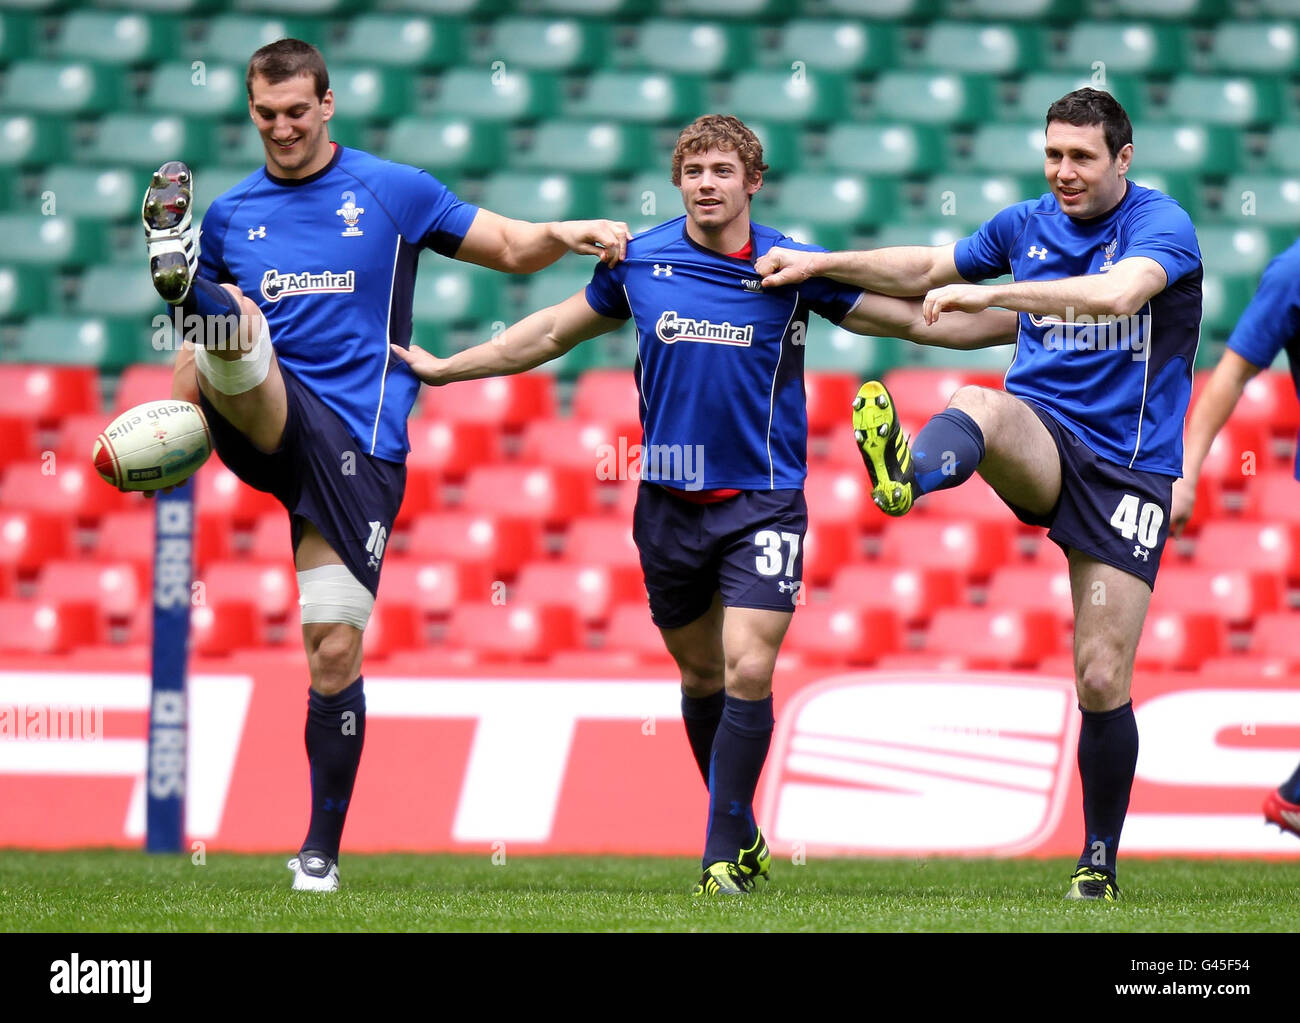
{"x":1110,"y":606}
{"x":697,"y":649}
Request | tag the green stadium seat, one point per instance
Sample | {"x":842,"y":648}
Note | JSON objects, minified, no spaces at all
{"x":148,"y":140}
{"x":705,"y":48}
{"x":496,"y":95}
{"x":750,"y":9}
{"x":1008,"y":148}
{"x":369,"y":92}
{"x":81,"y":341}
{"x":31,"y":141}
{"x":1124,"y":48}
{"x":18,"y":34}
{"x":455,"y":145}
{"x":993,"y":360}
{"x":1235,"y":101}
{"x":835,"y":199}
{"x":24,"y":290}
{"x":594,"y":8}
{"x":449,"y":8}
{"x":836,"y":45}
{"x":1047,"y":11}
{"x":831,"y":348}
{"x":1281,"y":8}
{"x":449,"y":292}
{"x":1191,"y":148}
{"x":210,"y":90}
{"x":804,"y":97}
{"x":782,"y":148}
{"x":884,"y":10}
{"x":96,"y":193}
{"x":1224,"y":299}
{"x":69,"y":87}
{"x":829,"y":236}
{"x":1173,"y":10}
{"x":649,"y":197}
{"x":1039,"y":91}
{"x":1256,"y":48}
{"x":35,"y":240}
{"x":884,"y":148}
{"x":970,"y":199}
{"x":927,"y":97}
{"x":109,"y":37}
{"x":542,"y":197}
{"x":1184,"y":188}
{"x":587,"y":147}
{"x":646,"y":96}
{"x":398,"y":40}
{"x":1283,"y":151}
{"x":925,"y":233}
{"x":554,"y":285}
{"x":1262,"y":199}
{"x":1236,"y":250}
{"x":118,"y":289}
{"x":163,"y":6}
{"x":333,"y":8}
{"x":214,"y":180}
{"x":232,"y":38}
{"x":548,"y":44}
{"x":980,"y":49}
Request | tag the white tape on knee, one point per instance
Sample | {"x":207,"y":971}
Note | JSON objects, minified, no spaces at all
{"x":242,"y":374}
{"x":332,"y":594}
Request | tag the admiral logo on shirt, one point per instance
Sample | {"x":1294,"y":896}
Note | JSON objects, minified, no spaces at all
{"x":672,"y":328}
{"x":277,"y":285}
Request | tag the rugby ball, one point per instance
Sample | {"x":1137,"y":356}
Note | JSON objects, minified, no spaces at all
{"x":152,"y":446}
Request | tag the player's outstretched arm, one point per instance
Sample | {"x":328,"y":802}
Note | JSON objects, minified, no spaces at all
{"x":521,"y":247}
{"x":539,"y":338}
{"x":1215,"y":405}
{"x":903,"y":270}
{"x":885,"y":316}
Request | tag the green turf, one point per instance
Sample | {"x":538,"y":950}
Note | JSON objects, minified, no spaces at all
{"x":127,"y":891}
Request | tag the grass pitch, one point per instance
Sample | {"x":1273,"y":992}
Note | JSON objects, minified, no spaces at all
{"x":118,"y":891}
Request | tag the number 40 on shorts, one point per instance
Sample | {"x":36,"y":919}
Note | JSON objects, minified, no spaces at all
{"x":1134,"y":518}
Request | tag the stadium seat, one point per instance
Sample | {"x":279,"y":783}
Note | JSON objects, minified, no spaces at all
{"x":589,"y":589}
{"x":23,"y":290}
{"x":969,"y":199}
{"x":806,"y":98}
{"x":74,"y":490}
{"x":1174,"y":10}
{"x":1277,"y":635}
{"x":217,"y":630}
{"x":17,"y":440}
{"x":1049,"y":11}
{"x":513,"y":631}
{"x":148,"y":140}
{"x":548,"y":44}
{"x":1034,"y":587}
{"x":639,"y":96}
{"x":1223,"y":300}
{"x":1127,"y":48}
{"x":843,"y":46}
{"x":120,"y":290}
{"x":68,"y":88}
{"x":1268,"y":402}
{"x":586,"y":147}
{"x":1240,"y":445}
{"x":95,"y":193}
{"x":591,"y":448}
{"x":509,"y":402}
{"x":35,"y":240}
{"x":914,"y":593}
{"x":932,"y":98}
{"x":1039,"y":90}
{"x":335,"y":8}
{"x":215,"y":90}
{"x":837,"y":199}
{"x":1283,"y":148}
{"x":392,"y":627}
{"x":271,"y":586}
{"x":1262,"y":199}
{"x":32,"y":539}
{"x":371,"y":92}
{"x":46,"y":393}
{"x":1189,"y":147}
{"x":974,"y":500}
{"x":129,"y":536}
{"x":829,"y":401}
{"x":139,"y":384}
{"x":496,"y":94}
{"x":447,"y":144}
{"x":843,"y":634}
{"x":993,"y":637}
{"x":1249,"y":547}
{"x":924,"y":392}
{"x":875,"y":149}
{"x":707,"y":48}
{"x":113,"y":588}
{"x":398,"y":40}
{"x":452,"y":292}
{"x":230,"y":37}
{"x":1179,"y":639}
{"x":535,"y":493}
{"x":76,"y":436}
{"x":451,"y":447}
{"x":1237,"y":668}
{"x":1237,"y":101}
{"x":1256,"y":47}
{"x":1185,"y":189}
{"x":632,"y":631}
{"x":980,"y":49}
{"x":1235,"y":597}
{"x":541,"y":196}
{"x":222,"y":497}
{"x":976,"y":548}
{"x":18,"y":32}
{"x":37,"y":627}
{"x":1235,"y":250}
{"x":607,"y":541}
{"x":841,"y":495}
{"x":832,"y":349}
{"x":827,"y":546}
{"x":495,"y":546}
{"x":607,"y":396}
{"x":1008,"y":148}
{"x":434,"y":588}
{"x":110,"y":344}
{"x":1273,"y":496}
{"x":31,"y":141}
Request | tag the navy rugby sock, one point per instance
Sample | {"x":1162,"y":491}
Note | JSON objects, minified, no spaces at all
{"x":947,"y":450}
{"x":208,"y":299}
{"x":701,"y":715}
{"x":336,"y":731}
{"x":1290,"y":789}
{"x":739,"y":750}
{"x":1108,"y":750}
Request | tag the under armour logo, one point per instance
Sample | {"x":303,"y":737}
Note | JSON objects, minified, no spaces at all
{"x":786,"y":587}
{"x":1141,"y":552}
{"x":257,"y":232}
{"x":663,"y":269}
{"x":372,"y":563}
{"x":1036,"y":253}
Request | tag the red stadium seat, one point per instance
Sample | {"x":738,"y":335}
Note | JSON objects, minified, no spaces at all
{"x":973,"y":499}
{"x":217,"y":629}
{"x":914,"y":594}
{"x":604,"y":540}
{"x":588,"y":589}
{"x":129,"y":536}
{"x":828,"y":547}
{"x":112,"y":588}
{"x":830,"y":401}
{"x":1176,"y":639}
{"x":510,"y":401}
{"x":1277,"y":635}
{"x":630,"y":630}
{"x":18,"y":440}
{"x":1034,"y":587}
{"x":221,"y":496}
{"x":993,"y":637}
{"x":976,"y":548}
{"x":1234,"y":596}
{"x":1237,"y":668}
{"x":514,"y":630}
{"x":609,"y":396}
{"x":841,"y":495}
{"x":497,"y":546}
{"x":530,"y":493}
{"x":920,"y":392}
{"x":392,"y":627}
{"x":30,"y":539}
{"x":834,"y":633}
{"x":71,"y":490}
{"x":451,"y":448}
{"x":47,"y":393}
{"x":1268,"y":402}
{"x":75,"y":440}
{"x":271,"y":586}
{"x":139,"y":384}
{"x":39,"y":627}
{"x":1249,"y":546}
{"x":433,"y":588}
{"x":587,"y":446}
{"x":1238,"y":451}
{"x":1272,"y":496}
{"x":271,"y":539}
{"x":621,"y":497}
{"x":423,"y":495}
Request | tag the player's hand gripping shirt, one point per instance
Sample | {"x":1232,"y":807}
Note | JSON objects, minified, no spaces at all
{"x":1121,"y":387}
{"x":719,"y":358}
{"x":330,"y":259}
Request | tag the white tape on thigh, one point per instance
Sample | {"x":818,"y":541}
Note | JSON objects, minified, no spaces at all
{"x":332,"y":594}
{"x":242,"y":374}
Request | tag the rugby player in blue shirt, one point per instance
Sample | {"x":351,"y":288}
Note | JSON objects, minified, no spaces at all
{"x":1270,"y":324}
{"x":304,"y":281}
{"x":720,"y":514}
{"x":1087,"y":437}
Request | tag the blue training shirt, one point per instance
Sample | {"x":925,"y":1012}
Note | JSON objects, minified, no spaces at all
{"x":1122,"y":387}
{"x":1271,"y":322}
{"x":719,"y":358}
{"x":330,"y":259}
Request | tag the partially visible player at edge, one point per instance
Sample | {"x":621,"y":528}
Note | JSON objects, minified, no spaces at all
{"x":1270,"y":324}
{"x":314,"y":257}
{"x":720,"y":375}
{"x":1087,"y":437}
